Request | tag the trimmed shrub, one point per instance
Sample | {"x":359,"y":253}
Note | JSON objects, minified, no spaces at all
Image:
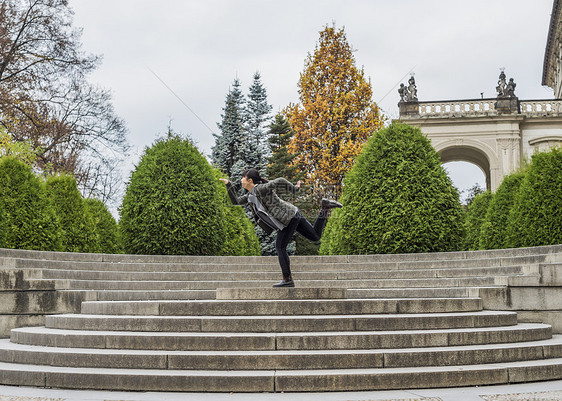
{"x":106,"y":231}
{"x":241,"y":238}
{"x":475,"y":216}
{"x":29,"y":219}
{"x":77,"y":230}
{"x":494,"y":230}
{"x":173,"y":204}
{"x":397,"y":198}
{"x":536,"y":218}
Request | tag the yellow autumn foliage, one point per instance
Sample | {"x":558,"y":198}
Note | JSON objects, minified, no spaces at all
{"x":335,"y":116}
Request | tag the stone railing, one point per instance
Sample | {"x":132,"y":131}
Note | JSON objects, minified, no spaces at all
{"x":482,"y":107}
{"x":537,"y":108}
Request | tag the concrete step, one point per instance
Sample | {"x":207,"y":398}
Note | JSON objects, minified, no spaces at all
{"x":282,"y":380}
{"x":41,"y":302}
{"x":549,"y":252}
{"x":279,"y":359}
{"x":345,"y":274}
{"x":309,"y":340}
{"x":281,"y":307}
{"x":131,"y":295}
{"x":270,"y":264}
{"x":281,"y":324}
{"x":211,"y":285}
{"x":444,"y":292}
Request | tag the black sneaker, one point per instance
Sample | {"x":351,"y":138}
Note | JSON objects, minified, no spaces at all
{"x":330,"y":204}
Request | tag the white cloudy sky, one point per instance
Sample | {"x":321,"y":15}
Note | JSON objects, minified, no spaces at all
{"x":198,"y":47}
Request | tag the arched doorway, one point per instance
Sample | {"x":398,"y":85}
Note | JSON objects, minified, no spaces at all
{"x":470,"y":155}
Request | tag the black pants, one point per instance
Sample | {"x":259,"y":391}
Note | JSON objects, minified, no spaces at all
{"x":300,"y":224}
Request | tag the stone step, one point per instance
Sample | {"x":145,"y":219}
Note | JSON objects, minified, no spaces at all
{"x":279,"y":359}
{"x":271,"y":264}
{"x":131,"y":295}
{"x":281,"y":307}
{"x":548,"y":252}
{"x":281,"y":380}
{"x":309,"y":340}
{"x":281,"y":324}
{"x":444,"y":292}
{"x":42,"y":302}
{"x":211,"y":285}
{"x":258,"y":274}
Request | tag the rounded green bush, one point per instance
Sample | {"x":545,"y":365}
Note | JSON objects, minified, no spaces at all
{"x":474,"y":220}
{"x":494,"y":231}
{"x":536,"y":218}
{"x":397,"y":198}
{"x":29,"y":219}
{"x":173,"y":204}
{"x":106,"y":231}
{"x":77,"y":230}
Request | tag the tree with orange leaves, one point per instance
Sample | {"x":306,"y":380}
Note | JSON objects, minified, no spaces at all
{"x":336,"y":114}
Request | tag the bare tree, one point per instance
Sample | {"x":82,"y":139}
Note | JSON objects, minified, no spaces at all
{"x":45,"y":97}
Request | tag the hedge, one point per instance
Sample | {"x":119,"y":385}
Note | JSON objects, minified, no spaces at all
{"x":536,"y":218}
{"x":397,"y":198}
{"x":30,"y":221}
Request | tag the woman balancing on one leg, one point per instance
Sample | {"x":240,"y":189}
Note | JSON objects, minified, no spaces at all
{"x":273,"y":213}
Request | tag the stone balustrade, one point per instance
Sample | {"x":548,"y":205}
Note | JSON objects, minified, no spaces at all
{"x":483,"y":107}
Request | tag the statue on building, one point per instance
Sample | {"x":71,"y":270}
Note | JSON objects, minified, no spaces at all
{"x":505,"y":89}
{"x":412,"y":91}
{"x":408,"y":93}
{"x":510,"y":89}
{"x":507,"y":102}
{"x":501,"y":85}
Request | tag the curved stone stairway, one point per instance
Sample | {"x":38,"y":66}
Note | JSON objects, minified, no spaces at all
{"x":215,"y":324}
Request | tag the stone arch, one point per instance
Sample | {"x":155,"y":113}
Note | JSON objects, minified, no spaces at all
{"x":469,"y":151}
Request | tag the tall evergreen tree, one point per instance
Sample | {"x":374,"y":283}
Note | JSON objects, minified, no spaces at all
{"x":281,"y":161}
{"x":230,"y":144}
{"x":257,"y":118}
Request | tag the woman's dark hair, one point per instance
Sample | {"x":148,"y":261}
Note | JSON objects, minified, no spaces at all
{"x":254,"y":175}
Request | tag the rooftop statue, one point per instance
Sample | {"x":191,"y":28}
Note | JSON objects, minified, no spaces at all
{"x":408,"y":93}
{"x":505,"y":89}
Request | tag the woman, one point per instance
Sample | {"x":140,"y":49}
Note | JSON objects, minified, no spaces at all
{"x":274,"y":214}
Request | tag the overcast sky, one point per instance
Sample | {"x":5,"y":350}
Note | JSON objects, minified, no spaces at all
{"x":198,"y":47}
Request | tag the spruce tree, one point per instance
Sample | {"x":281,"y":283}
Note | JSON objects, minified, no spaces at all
{"x":257,"y":118}
{"x":230,"y":144}
{"x":280,"y":163}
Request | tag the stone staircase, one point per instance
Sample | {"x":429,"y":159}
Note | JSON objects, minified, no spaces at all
{"x":214,"y":324}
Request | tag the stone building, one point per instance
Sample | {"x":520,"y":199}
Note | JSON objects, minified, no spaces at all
{"x":495,"y":134}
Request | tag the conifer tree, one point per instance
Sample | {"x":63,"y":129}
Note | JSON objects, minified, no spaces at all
{"x":229,"y":144}
{"x":535,"y":218}
{"x":257,"y":119}
{"x":336,"y":114}
{"x":494,"y":230}
{"x":475,"y":217}
{"x":397,"y":198}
